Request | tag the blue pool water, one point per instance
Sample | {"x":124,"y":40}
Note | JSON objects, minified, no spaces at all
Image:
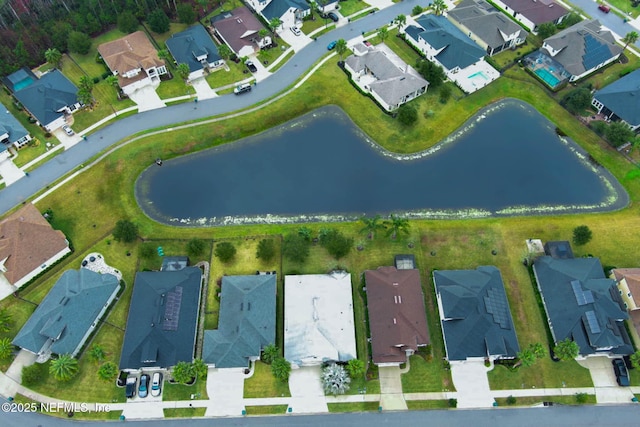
{"x":548,"y":78}
{"x":22,"y":84}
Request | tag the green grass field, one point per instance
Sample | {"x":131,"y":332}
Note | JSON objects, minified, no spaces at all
{"x":264,"y":384}
{"x":266,"y":410}
{"x":349,"y":7}
{"x":533,"y":400}
{"x":353,"y":407}
{"x":184,"y":412}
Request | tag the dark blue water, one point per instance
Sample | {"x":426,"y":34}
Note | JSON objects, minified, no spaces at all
{"x":507,"y":160}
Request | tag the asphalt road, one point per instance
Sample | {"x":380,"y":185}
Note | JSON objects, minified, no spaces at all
{"x":302,"y":61}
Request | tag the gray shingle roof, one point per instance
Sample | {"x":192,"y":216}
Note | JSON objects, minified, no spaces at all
{"x":161,"y":326}
{"x":458,"y":50}
{"x":477,"y":320}
{"x":247,"y":321}
{"x":582,"y":304}
{"x":11,"y":126}
{"x":537,"y":11}
{"x":583,"y":46}
{"x":67,"y":312}
{"x":277,"y":8}
{"x":623,"y":98}
{"x":187,"y":45}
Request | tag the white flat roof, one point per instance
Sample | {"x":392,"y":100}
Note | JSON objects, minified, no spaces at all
{"x":318,"y":318}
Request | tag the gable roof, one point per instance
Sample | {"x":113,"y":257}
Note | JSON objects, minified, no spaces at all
{"x":475,"y":314}
{"x":131,"y":52}
{"x":10,"y":126}
{"x":45,"y":97}
{"x":397,"y":316}
{"x":582,"y":304}
{"x":537,"y":11}
{"x":27,"y":241}
{"x":240,"y":29}
{"x":277,"y":8}
{"x":247,"y":321}
{"x":66,"y":314}
{"x":318,"y":318}
{"x":623,"y":97}
{"x":583,"y":46}
{"x":485,"y":22}
{"x":632,"y":277}
{"x":161,"y":325}
{"x":458,"y":50}
{"x":186,"y":46}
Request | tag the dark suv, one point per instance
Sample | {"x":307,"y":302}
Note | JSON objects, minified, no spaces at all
{"x":622,"y":375}
{"x":130,"y":389}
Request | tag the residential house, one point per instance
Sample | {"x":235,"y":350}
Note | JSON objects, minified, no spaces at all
{"x":68,"y":314}
{"x":620,"y":101}
{"x":4,"y":152}
{"x":397,"y":316}
{"x":195,"y":48}
{"x":388,"y":79}
{"x":246,"y":324}
{"x":290,"y":12}
{"x":134,"y":60}
{"x":318,"y":319}
{"x":560,"y":249}
{"x":486,"y":26}
{"x":628,"y":283}
{"x":474,"y":314}
{"x":583,"y":305}
{"x":28,"y":246}
{"x":162,"y":321}
{"x":579,"y":50}
{"x":49,"y":99}
{"x":240,"y":30}
{"x":326,"y":6}
{"x":12,"y":133}
{"x":533,"y":13}
{"x":447,"y":46}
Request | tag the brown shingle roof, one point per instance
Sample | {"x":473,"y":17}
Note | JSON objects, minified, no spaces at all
{"x":27,"y":241}
{"x":632,"y":277}
{"x":240,"y":29}
{"x":397,"y":317}
{"x":129,"y":53}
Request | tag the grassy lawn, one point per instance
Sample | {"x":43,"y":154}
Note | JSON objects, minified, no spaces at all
{"x":634,"y":377}
{"x":88,"y":62}
{"x":171,"y":392}
{"x":362,"y":386}
{"x":623,"y":5}
{"x":266,"y":410}
{"x":353,"y":407}
{"x":161,"y":39}
{"x":309,"y":25}
{"x":419,"y":405}
{"x":426,"y":376}
{"x":349,"y":7}
{"x":545,"y":373}
{"x":184,"y":412}
{"x":402,"y":48}
{"x":508,"y":56}
{"x":224,"y":7}
{"x":272,"y":54}
{"x":221,"y":77}
{"x":536,"y":400}
{"x":264,"y":384}
{"x":174,"y":88}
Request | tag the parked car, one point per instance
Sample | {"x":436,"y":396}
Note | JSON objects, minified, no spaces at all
{"x":295,"y":31}
{"x":332,"y":45}
{"x":67,"y":130}
{"x":244,"y":87}
{"x":333,"y":16}
{"x":251,"y":66}
{"x":143,"y":390}
{"x":156,"y":384}
{"x":130,"y":389}
{"x":622,"y":375}
{"x":604,"y":8}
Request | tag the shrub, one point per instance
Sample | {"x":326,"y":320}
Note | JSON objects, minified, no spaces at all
{"x":577,"y":100}
{"x":336,"y":243}
{"x":511,"y":400}
{"x":355,"y":368}
{"x":270,"y":353}
{"x":566,"y":350}
{"x":225,"y":251}
{"x":195,"y":247}
{"x":281,"y":369}
{"x":453,"y":403}
{"x":295,"y":248}
{"x":582,"y":235}
{"x":619,"y":133}
{"x":125,"y":231}
{"x":417,"y":10}
{"x":581,"y":397}
{"x":335,"y":380}
{"x":108,"y":371}
{"x":266,"y":250}
{"x":445,"y":94}
{"x":183,"y":372}
{"x":305,"y":232}
{"x":407,"y":114}
{"x":146,"y":250}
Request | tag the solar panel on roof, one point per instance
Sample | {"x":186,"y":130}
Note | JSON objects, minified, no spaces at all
{"x":172,"y":309}
{"x":592,"y":321}
{"x":595,"y":52}
{"x":582,"y":297}
{"x":496,"y":305}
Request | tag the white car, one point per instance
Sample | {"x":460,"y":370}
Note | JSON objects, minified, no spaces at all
{"x":156,"y":384}
{"x":244,"y":87}
{"x":67,"y":130}
{"x":296,"y":31}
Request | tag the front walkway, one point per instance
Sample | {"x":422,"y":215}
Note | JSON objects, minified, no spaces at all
{"x":604,"y":380}
{"x":391,"y":396}
{"x":225,"y":388}
{"x":307,"y":396}
{"x":472,"y":384}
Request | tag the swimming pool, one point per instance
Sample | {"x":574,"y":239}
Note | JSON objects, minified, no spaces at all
{"x":479,"y":74}
{"x":547,"y":77}
{"x":22,"y":83}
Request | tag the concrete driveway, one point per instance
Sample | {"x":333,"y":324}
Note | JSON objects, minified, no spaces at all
{"x":391,"y":396}
{"x":10,"y":172}
{"x":296,"y":42}
{"x":146,"y":98}
{"x":307,"y":396}
{"x":472,"y":384}
{"x":225,"y":388}
{"x":203,"y":90}
{"x":604,"y":380}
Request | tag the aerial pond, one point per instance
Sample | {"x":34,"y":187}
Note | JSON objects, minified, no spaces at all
{"x":506,"y":160}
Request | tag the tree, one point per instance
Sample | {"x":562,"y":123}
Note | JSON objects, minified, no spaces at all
{"x":336,"y":243}
{"x":270,"y":353}
{"x":305,"y":232}
{"x":526,"y":358}
{"x":108,"y":371}
{"x":438,"y":7}
{"x":355,"y":368}
{"x":125,"y":231}
{"x":383,"y":34}
{"x":313,"y":5}
{"x":183,"y":372}
{"x":225,"y":251}
{"x":445,"y":93}
{"x":371,"y":225}
{"x":263,"y":33}
{"x":538,"y":350}
{"x":146,"y":250}
{"x":195,"y":247}
{"x":79,"y":42}
{"x":546,"y":30}
{"x":6,"y":322}
{"x":407,"y":114}
{"x":566,"y":350}
{"x":635,"y":359}
{"x":274,"y":23}
{"x":64,"y":367}
{"x":619,"y":133}
{"x":266,"y":250}
{"x":571,"y":19}
{"x":417,"y":10}
{"x":225,"y":52}
{"x":97,"y":353}
{"x":577,"y":100}
{"x":629,"y":38}
{"x":431,"y":72}
{"x":397,"y":226}
{"x":158,"y":21}
{"x":401,"y":20}
{"x":281,"y":368}
{"x":53,"y":57}
{"x":582,"y":235}
{"x":127,"y":22}
{"x":85,"y":97}
{"x":295,"y":248}
{"x":341,"y":47}
{"x":6,"y":348}
{"x":183,"y":71}
{"x":164,"y":55}
{"x":112,"y":81}
{"x":335,"y":380}
{"x":34,"y":374}
{"x":186,"y":14}
{"x":200,"y":368}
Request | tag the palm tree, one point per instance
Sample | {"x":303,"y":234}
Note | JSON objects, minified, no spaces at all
{"x":314,"y":6}
{"x":97,"y":353}
{"x":183,"y":71}
{"x":200,"y":368}
{"x":53,"y":57}
{"x":341,"y":47}
{"x":401,"y":20}
{"x":64,"y":367}
{"x":164,"y":55}
{"x":224,"y":51}
{"x":108,"y":371}
{"x":629,"y":38}
{"x":438,"y":7}
{"x":383,"y":34}
{"x":6,"y":348}
{"x":397,"y":225}
{"x":371,"y":225}
{"x":5,"y":320}
{"x":273,"y":25}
